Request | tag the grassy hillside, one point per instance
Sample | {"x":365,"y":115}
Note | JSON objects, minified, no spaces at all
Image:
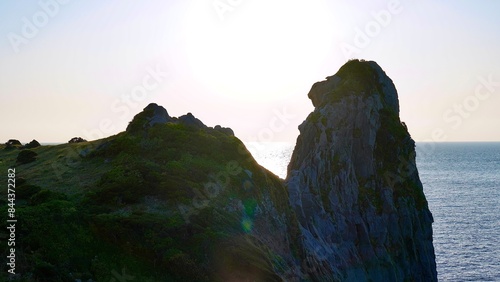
{"x":170,"y":203}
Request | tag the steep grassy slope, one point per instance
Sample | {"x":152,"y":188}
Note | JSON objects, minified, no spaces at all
{"x":168,"y":203}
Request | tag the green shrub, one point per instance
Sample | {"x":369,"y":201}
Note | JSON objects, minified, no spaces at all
{"x":55,"y":233}
{"x":32,"y":144}
{"x":120,"y":186}
{"x":26,"y":156}
{"x":12,"y":144}
{"x":45,"y":196}
{"x":77,"y":140}
{"x":26,"y":191}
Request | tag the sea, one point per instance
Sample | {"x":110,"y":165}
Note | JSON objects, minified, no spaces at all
{"x":462,"y":185}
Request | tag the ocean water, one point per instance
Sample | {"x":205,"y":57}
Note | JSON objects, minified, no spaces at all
{"x":462,"y":185}
{"x":274,"y":156}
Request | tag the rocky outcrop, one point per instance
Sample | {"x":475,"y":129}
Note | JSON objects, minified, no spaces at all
{"x":320,"y":90}
{"x":354,"y":185}
{"x":225,"y":130}
{"x":155,"y":114}
{"x":151,"y":115}
{"x":190,"y":120}
{"x":158,"y":114}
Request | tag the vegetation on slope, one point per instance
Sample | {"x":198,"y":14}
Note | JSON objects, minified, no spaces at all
{"x":147,"y":205}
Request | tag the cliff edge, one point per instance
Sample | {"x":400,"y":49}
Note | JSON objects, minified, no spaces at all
{"x":354,"y":185}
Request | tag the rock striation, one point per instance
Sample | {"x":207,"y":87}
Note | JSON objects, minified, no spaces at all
{"x":354,"y":186}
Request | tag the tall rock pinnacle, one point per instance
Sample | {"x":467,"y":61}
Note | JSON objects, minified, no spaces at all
{"x":354,"y":185}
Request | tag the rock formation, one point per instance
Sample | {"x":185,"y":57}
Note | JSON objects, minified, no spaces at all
{"x":354,"y":186}
{"x":155,"y":114}
{"x":151,"y":115}
{"x":225,"y":130}
{"x":190,"y":120}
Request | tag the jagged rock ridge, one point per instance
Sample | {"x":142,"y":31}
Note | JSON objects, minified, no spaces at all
{"x":354,"y":185}
{"x":155,"y":114}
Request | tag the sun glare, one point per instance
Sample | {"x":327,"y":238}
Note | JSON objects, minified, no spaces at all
{"x":260,"y":53}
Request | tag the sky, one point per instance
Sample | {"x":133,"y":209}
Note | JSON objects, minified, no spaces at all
{"x":85,"y":68}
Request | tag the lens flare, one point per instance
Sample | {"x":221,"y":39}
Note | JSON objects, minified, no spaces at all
{"x":247,"y":224}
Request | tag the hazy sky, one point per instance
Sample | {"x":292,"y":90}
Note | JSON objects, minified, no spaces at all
{"x":85,"y":68}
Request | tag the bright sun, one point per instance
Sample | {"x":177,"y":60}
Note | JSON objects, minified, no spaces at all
{"x":258,"y":50}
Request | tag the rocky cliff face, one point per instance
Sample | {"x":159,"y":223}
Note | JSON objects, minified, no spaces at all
{"x":354,"y":185}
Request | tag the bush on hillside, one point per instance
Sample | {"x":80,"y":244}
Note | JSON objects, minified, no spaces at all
{"x":26,"y":156}
{"x":32,"y":144}
{"x":26,"y":191}
{"x":77,"y":140}
{"x":13,"y":144}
